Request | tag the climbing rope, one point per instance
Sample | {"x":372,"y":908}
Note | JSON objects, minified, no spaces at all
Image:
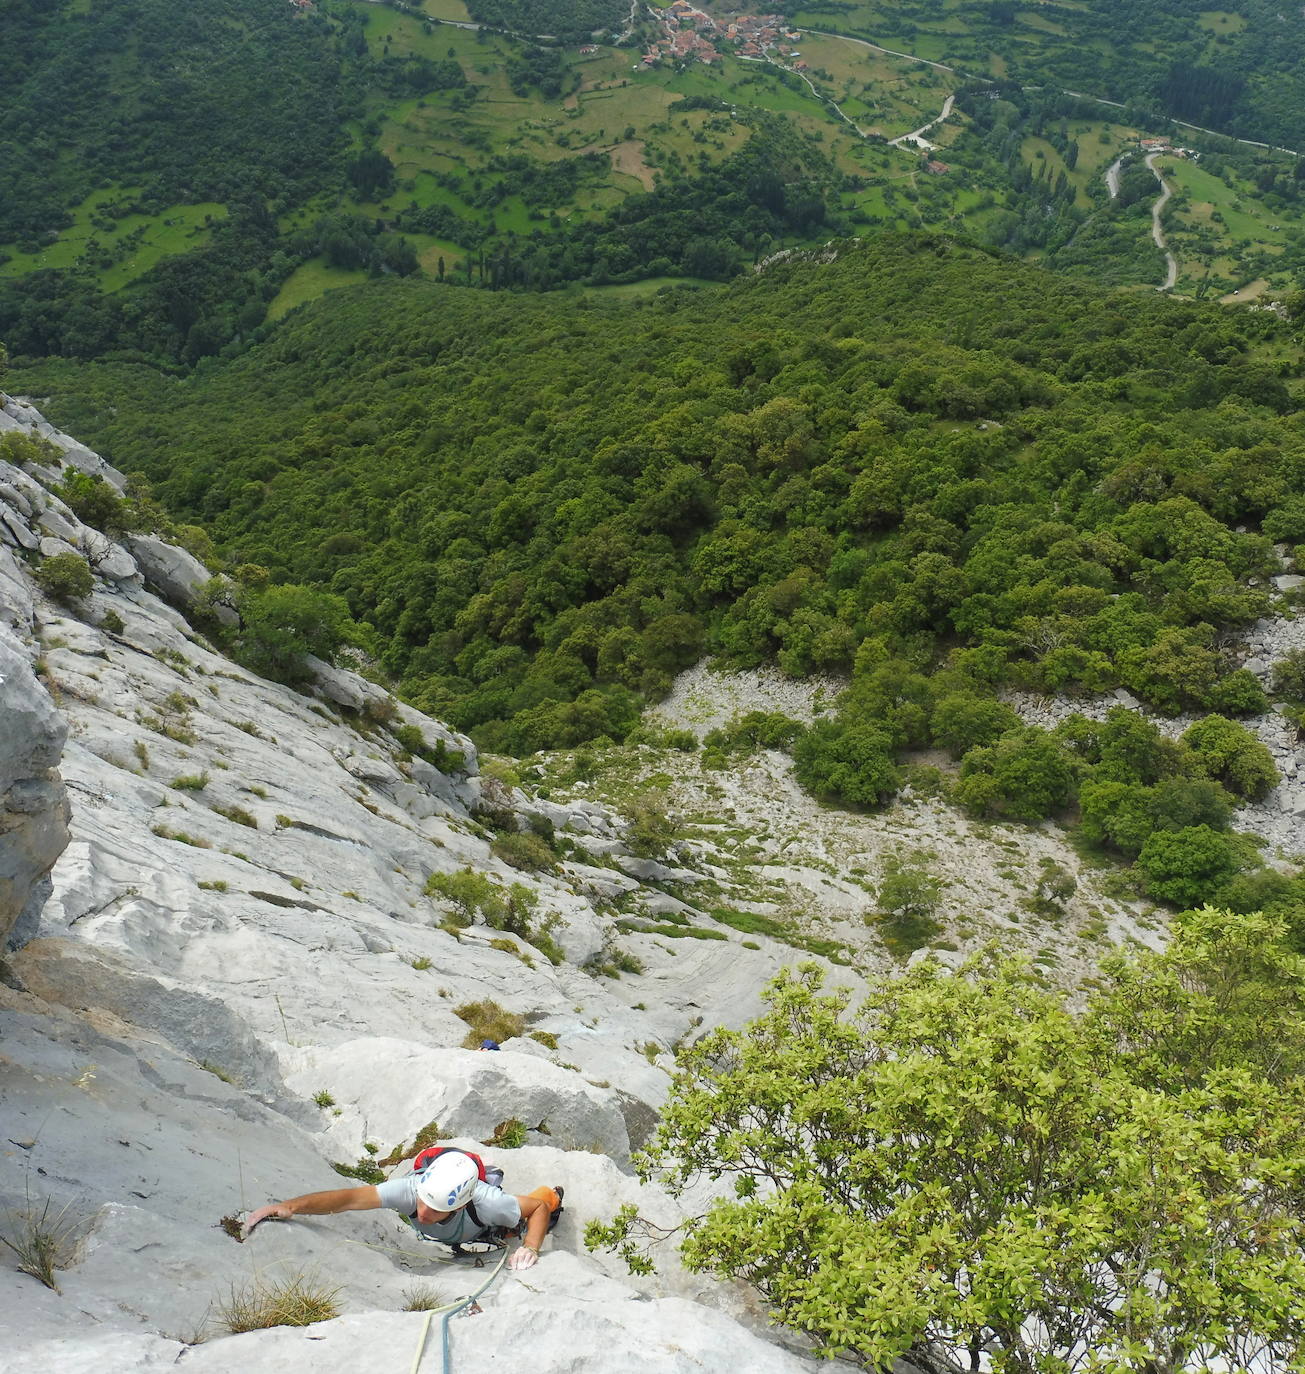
{"x":449,"y":1310}
{"x":445,"y":1314}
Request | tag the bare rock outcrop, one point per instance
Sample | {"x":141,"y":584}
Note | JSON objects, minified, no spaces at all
{"x":34,"y":808}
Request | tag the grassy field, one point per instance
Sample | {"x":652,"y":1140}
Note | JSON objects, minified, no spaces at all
{"x":314,"y":278}
{"x":1220,"y":229}
{"x":117,"y":248}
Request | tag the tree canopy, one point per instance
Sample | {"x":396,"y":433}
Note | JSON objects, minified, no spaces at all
{"x":965,"y":1166}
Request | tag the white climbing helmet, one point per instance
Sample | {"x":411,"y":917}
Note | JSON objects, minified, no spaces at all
{"x":448,"y":1182}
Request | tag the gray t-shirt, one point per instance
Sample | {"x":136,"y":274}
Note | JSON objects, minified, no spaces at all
{"x":493,"y":1206}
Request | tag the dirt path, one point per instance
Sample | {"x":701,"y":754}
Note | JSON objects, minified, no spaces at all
{"x":1157,"y":230}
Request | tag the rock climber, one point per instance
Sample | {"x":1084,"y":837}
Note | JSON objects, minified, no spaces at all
{"x":447,"y":1201}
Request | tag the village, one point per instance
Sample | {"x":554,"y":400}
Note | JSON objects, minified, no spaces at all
{"x":691,"y":35}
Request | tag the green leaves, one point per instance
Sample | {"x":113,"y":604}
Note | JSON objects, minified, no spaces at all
{"x":965,"y":1164}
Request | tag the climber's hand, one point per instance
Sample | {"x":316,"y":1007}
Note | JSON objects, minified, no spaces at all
{"x":274,"y":1211}
{"x":523,"y":1257}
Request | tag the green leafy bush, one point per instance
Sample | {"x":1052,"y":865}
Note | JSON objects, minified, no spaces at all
{"x":525,"y":850}
{"x":1162,"y":1122}
{"x":282,"y":625}
{"x":1231,"y":755}
{"x":908,"y":899}
{"x":1186,"y":867}
{"x":65,"y":577}
{"x":96,"y":503}
{"x":1025,"y":776}
{"x":960,"y":722}
{"x":852,"y":763}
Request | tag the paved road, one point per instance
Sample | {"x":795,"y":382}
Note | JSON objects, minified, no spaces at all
{"x":1157,"y":231}
{"x":1157,"y":210}
{"x":917,"y":136}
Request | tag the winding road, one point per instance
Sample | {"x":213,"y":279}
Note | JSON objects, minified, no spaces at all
{"x":1157,"y":231}
{"x":1157,"y":210}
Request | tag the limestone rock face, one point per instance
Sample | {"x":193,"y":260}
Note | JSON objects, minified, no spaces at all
{"x":396,"y":1088}
{"x":176,"y":575}
{"x":34,"y":807}
{"x":235,"y":976}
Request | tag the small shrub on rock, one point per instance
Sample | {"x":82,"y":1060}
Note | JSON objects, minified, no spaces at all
{"x":1289,"y":676}
{"x":20,"y":449}
{"x":649,"y":830}
{"x":525,"y":850}
{"x":66,"y":578}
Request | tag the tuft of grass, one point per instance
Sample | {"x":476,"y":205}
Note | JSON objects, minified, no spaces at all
{"x":299,"y":1300}
{"x":421,"y":1297}
{"x":430,"y":1134}
{"x":508,"y":1135}
{"x":190,"y":782}
{"x":42,"y":1242}
{"x":511,"y":947}
{"x":217,"y":885}
{"x":750,"y":923}
{"x":323,"y":1098}
{"x":237,"y":814}
{"x":489,"y":1021}
{"x":180,"y":836}
{"x":421,"y":964}
{"x":365,"y":1171}
{"x":217,"y":1071}
{"x":545,"y":1038}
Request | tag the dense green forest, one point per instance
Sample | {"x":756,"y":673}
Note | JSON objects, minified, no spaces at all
{"x":575,"y":19}
{"x":545,"y":507}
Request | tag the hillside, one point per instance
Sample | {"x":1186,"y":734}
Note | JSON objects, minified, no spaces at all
{"x":543,"y":508}
{"x":278,"y":921}
{"x":187,"y":210}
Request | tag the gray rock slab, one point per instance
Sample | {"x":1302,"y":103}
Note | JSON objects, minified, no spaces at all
{"x":177,"y":576}
{"x":34,"y":807}
{"x":58,"y":526}
{"x":15,"y":530}
{"x":11,"y":496}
